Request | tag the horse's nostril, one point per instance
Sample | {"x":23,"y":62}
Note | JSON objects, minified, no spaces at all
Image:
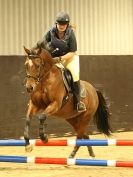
{"x":29,"y":89}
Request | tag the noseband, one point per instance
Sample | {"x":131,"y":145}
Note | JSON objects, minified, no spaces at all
{"x":37,"y":79}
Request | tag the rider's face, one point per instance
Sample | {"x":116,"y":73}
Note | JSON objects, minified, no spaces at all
{"x":61,"y":27}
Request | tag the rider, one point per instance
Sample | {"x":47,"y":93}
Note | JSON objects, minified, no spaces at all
{"x":61,"y":42}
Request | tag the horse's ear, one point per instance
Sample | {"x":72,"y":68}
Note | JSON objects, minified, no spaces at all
{"x":27,"y":50}
{"x":39,"y":50}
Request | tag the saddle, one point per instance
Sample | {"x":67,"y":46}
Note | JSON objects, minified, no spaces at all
{"x":68,"y":81}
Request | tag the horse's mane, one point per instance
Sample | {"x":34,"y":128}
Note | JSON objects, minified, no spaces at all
{"x":48,"y":61}
{"x":45,"y":55}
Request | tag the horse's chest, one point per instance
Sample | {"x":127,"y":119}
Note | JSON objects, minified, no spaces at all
{"x":40,"y":99}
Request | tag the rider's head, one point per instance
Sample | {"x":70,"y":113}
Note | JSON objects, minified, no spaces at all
{"x":62,"y":18}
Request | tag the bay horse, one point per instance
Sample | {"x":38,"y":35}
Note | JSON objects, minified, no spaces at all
{"x":47,"y":90}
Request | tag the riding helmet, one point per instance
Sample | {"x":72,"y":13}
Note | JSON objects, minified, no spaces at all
{"x":62,"y":18}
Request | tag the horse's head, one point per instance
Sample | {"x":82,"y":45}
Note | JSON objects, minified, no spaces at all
{"x":36,"y":64}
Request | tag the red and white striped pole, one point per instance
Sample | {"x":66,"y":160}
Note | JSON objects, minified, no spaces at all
{"x":69,"y":142}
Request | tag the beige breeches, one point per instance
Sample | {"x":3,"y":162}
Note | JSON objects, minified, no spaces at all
{"x":73,"y":65}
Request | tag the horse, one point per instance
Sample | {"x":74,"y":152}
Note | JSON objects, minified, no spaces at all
{"x":47,"y":90}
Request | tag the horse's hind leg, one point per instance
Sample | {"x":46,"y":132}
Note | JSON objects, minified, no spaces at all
{"x":76,"y":148}
{"x":73,"y":153}
{"x":75,"y":124}
{"x":80,"y":128}
{"x":80,"y":124}
{"x":90,"y":150}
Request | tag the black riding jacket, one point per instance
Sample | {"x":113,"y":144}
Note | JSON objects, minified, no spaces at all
{"x":58,"y":47}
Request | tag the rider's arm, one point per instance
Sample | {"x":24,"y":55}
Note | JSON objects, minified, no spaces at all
{"x":68,"y":55}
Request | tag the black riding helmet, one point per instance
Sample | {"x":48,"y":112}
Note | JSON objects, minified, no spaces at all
{"x":62,"y":18}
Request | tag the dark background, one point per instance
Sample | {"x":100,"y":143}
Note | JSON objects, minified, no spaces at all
{"x":110,"y":74}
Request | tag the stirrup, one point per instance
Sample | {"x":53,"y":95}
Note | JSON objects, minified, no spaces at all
{"x":81,"y":107}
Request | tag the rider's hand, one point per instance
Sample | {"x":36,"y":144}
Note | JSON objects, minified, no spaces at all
{"x":57,"y":59}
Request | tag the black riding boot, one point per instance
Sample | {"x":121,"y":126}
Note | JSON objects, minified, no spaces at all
{"x":80,"y":106}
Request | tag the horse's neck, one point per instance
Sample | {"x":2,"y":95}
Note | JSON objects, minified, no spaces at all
{"x":51,"y":74}
{"x":48,"y":65}
{"x":55,"y":74}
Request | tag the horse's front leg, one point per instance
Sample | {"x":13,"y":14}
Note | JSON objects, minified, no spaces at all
{"x":50,"y":110}
{"x":43,"y":136}
{"x":28,"y":147}
{"x":32,"y":110}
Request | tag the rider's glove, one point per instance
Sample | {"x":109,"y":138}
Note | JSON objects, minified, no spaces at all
{"x":57,"y":59}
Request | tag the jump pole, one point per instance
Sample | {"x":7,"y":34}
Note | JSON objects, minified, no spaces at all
{"x":66,"y":161}
{"x":69,"y":142}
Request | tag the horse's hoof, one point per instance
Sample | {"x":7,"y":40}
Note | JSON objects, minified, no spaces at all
{"x":44,"y":138}
{"x":71,"y":156}
{"x":91,"y":157}
{"x":28,"y":148}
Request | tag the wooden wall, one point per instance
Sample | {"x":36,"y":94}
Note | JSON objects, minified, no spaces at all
{"x":113,"y":75}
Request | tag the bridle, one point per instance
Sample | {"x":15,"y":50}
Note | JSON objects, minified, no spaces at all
{"x":39,"y":76}
{"x":37,"y":79}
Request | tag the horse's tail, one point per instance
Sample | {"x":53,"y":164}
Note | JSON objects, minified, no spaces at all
{"x":102,"y":116}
